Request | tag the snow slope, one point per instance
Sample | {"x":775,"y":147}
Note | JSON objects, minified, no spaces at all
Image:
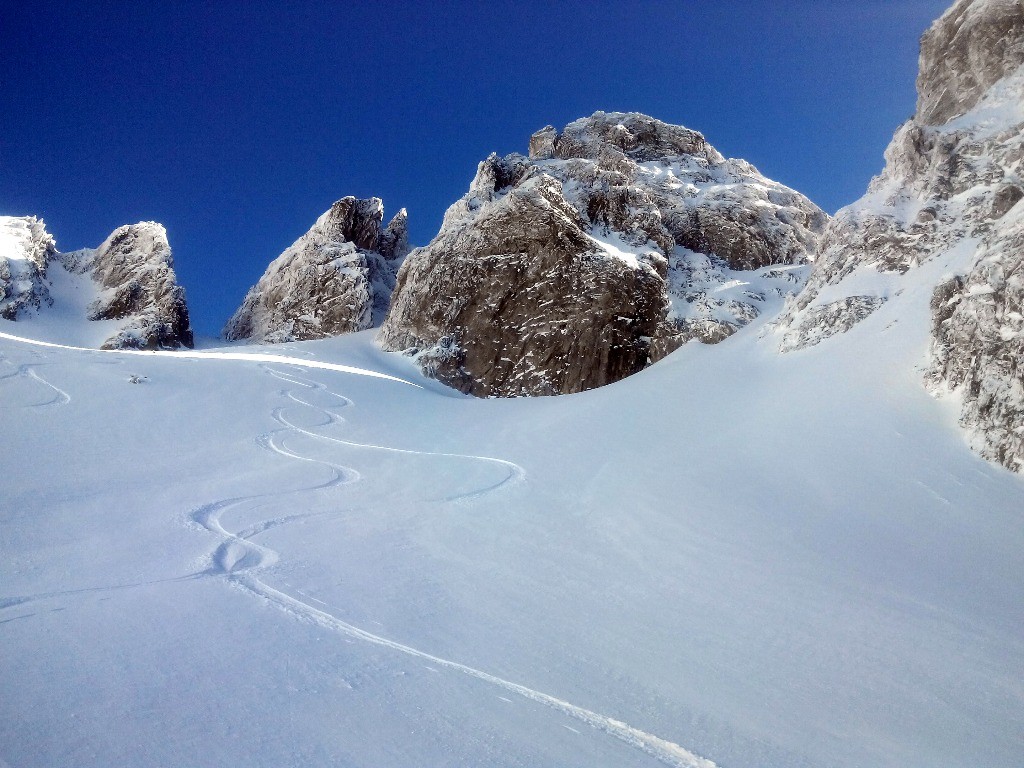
{"x":734,"y":556}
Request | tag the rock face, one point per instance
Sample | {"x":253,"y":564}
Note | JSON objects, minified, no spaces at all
{"x":973,"y":45}
{"x":337,"y":278}
{"x":26,"y":249}
{"x":950,"y":194}
{"x":594,"y":256}
{"x":978,"y":343}
{"x":135,"y":272}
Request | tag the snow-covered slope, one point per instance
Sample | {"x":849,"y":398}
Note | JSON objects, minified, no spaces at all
{"x":312,"y":555}
{"x":257,"y":558}
{"x":949,"y":194}
{"x":616,"y":241}
{"x":337,"y":278}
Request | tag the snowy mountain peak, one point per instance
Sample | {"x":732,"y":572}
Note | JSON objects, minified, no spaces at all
{"x":134,"y":270}
{"x":335,"y":279}
{"x":637,"y":136}
{"x":941,"y":230}
{"x":616,"y":241}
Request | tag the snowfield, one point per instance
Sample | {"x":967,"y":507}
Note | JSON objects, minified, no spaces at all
{"x":263,"y":556}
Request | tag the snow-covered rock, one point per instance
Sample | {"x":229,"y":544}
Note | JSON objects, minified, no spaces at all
{"x":135,"y":273}
{"x":26,"y":249}
{"x":337,"y":278}
{"x":952,"y":191}
{"x":617,"y":240}
{"x":128,"y":281}
{"x":973,"y":45}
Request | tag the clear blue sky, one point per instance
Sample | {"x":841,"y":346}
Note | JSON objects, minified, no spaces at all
{"x":237,"y":124}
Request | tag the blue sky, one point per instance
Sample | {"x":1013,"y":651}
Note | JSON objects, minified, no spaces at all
{"x":236,"y":125}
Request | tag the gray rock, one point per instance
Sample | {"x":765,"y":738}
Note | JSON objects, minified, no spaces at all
{"x":621,"y":207}
{"x":335,"y":279}
{"x":978,"y":345}
{"x":542,"y":143}
{"x":521,"y":302}
{"x":825,"y":320}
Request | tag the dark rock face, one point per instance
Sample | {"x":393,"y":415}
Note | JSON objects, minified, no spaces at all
{"x":951,"y":190}
{"x":26,"y":249}
{"x":557,"y":314}
{"x":335,"y":279}
{"x":134,"y":269}
{"x":975,"y":44}
{"x":573,"y":267}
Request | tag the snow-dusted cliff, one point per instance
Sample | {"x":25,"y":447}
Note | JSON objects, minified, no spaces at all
{"x":950,"y":194}
{"x":617,"y":240}
{"x":337,"y":278}
{"x":128,"y":283}
{"x":26,"y":249}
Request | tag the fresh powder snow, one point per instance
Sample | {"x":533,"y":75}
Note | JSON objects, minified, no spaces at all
{"x":264,"y":556}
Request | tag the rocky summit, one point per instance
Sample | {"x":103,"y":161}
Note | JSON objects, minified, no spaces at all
{"x":134,"y":270}
{"x":337,"y":278}
{"x":950,"y":193}
{"x":615,"y":241}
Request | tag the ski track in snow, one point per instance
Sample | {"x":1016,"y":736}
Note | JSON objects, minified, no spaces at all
{"x":239,"y":560}
{"x":27,"y":370}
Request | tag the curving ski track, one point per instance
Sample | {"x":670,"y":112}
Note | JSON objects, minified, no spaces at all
{"x":239,"y":560}
{"x":27,"y":370}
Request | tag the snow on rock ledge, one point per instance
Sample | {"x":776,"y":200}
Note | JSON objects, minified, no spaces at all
{"x":335,"y":279}
{"x":617,"y":240}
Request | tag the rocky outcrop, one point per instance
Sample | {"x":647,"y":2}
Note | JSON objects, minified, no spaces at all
{"x":131,"y":273}
{"x":26,"y":249}
{"x":949,"y":194}
{"x":557,"y":313}
{"x":335,"y":279}
{"x":134,"y":271}
{"x":604,"y":250}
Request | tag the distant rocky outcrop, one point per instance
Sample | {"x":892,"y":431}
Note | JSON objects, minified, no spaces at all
{"x":131,"y":273}
{"x":617,"y":240}
{"x":135,"y":273}
{"x":335,"y":279}
{"x":26,"y":249}
{"x":951,"y":193}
